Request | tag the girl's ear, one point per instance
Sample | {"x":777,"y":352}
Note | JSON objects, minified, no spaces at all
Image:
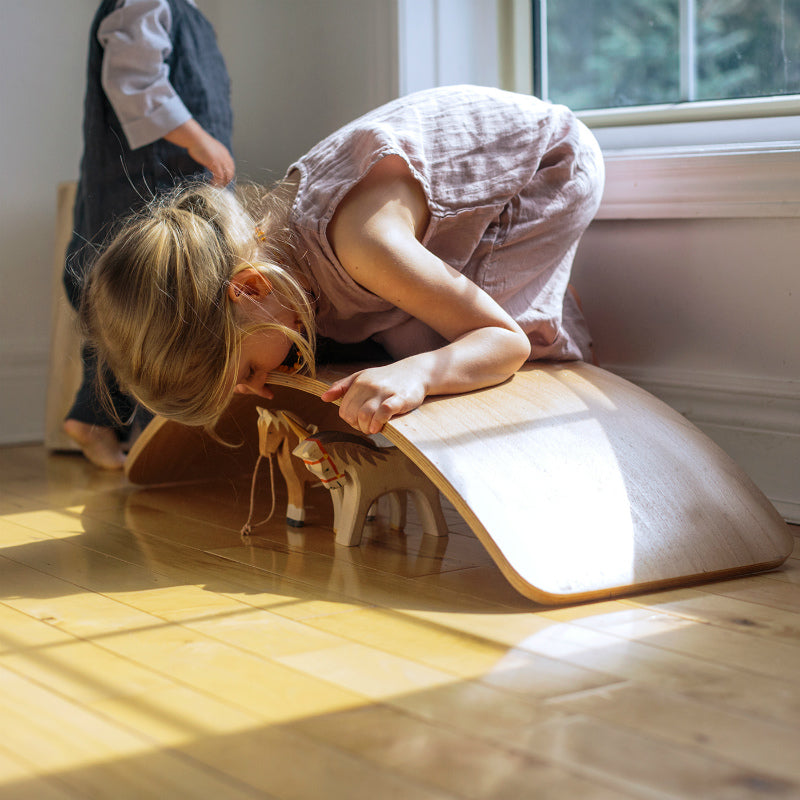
{"x":248,"y":282}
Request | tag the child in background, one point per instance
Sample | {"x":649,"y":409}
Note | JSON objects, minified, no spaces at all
{"x":442,"y":226}
{"x":157,"y":111}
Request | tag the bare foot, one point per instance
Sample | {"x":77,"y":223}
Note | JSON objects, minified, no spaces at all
{"x":100,"y":445}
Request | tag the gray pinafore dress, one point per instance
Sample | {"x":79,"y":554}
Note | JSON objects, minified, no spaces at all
{"x":115,"y":180}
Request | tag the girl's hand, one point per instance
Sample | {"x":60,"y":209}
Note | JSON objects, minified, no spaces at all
{"x":371,"y":397}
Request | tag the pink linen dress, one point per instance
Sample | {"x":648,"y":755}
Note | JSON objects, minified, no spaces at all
{"x":511,"y":183}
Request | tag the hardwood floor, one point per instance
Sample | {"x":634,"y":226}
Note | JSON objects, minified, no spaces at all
{"x":147,"y":651}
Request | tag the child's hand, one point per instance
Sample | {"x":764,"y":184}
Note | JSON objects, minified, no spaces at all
{"x":370,"y":398}
{"x":216,"y":158}
{"x":205,"y":150}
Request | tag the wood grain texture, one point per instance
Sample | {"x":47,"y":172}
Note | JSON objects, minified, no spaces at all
{"x":579,"y":484}
{"x":146,"y":650}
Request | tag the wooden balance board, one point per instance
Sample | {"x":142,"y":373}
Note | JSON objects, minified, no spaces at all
{"x":579,"y":484}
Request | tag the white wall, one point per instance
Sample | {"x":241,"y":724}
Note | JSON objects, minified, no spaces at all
{"x":300,"y":68}
{"x":42,"y":63}
{"x":691,"y":287}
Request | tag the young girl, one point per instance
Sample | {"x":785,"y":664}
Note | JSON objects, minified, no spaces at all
{"x":442,"y":226}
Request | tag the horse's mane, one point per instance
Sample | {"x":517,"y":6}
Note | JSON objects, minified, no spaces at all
{"x":341,"y":445}
{"x":282,"y":424}
{"x":337,"y":437}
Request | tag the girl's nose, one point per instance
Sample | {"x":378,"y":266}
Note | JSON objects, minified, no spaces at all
{"x":254,"y":385}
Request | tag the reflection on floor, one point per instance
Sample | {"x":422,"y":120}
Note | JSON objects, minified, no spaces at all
{"x":147,"y":651}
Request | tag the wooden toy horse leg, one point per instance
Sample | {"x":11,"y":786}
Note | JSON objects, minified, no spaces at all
{"x":398,"y":505}
{"x":348,"y":523}
{"x":337,"y":496}
{"x":429,"y":510}
{"x":295,"y":476}
{"x":355,"y":504}
{"x":397,"y":510}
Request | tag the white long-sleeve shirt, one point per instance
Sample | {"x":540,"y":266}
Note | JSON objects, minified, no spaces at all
{"x":135,"y":77}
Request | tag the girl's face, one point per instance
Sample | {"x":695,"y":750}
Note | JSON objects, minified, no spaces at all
{"x":262,"y":351}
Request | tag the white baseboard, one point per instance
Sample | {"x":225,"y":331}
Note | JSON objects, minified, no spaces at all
{"x":755,"y":420}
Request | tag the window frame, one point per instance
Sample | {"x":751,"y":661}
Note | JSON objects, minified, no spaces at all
{"x":438,"y":41}
{"x":661,"y":163}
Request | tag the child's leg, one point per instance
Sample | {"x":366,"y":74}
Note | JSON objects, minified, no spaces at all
{"x":92,"y":427}
{"x":528,"y":269}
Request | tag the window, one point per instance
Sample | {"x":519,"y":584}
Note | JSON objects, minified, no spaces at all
{"x":620,"y":53}
{"x":641,"y":73}
{"x":630,"y":62}
{"x":709,"y":88}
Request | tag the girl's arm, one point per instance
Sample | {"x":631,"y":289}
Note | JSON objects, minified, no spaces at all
{"x":376,"y":234}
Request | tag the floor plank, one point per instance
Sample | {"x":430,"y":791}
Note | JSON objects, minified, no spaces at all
{"x":146,"y":649}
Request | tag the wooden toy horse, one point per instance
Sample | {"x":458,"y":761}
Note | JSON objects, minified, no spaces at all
{"x":357,"y":472}
{"x":279,"y":433}
{"x":277,"y":437}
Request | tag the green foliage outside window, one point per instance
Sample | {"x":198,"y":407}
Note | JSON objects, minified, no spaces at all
{"x":613,"y":53}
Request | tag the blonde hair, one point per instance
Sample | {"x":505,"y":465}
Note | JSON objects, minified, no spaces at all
{"x":155,"y":305}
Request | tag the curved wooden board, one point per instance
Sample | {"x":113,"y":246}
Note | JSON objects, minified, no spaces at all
{"x":583,"y":486}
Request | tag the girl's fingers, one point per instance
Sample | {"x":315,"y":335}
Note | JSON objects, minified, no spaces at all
{"x":332,"y":394}
{"x":389,"y":408}
{"x":369,"y":399}
{"x":338,"y":390}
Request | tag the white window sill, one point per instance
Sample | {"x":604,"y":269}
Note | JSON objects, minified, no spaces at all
{"x":754,"y":180}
